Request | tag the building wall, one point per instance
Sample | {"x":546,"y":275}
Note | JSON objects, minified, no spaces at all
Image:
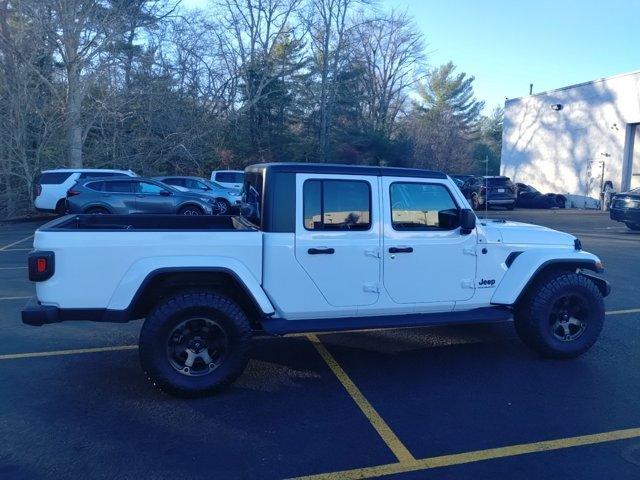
{"x":558,"y":151}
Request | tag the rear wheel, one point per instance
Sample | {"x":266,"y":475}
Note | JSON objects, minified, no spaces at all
{"x":561,"y":315}
{"x":475,"y":202}
{"x":633,"y":226}
{"x":97,"y":211}
{"x":190,"y":210}
{"x":195,"y":343}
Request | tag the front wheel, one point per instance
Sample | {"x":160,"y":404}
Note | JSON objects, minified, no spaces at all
{"x":221,"y":207}
{"x":195,"y":343}
{"x":633,"y":226}
{"x":190,"y":210}
{"x":561,"y":315}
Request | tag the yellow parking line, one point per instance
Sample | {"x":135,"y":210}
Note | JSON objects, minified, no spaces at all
{"x":15,"y":243}
{"x":14,"y":298}
{"x":477,"y":456}
{"x":16,"y":249}
{"x":53,"y":353}
{"x":13,"y":268}
{"x":621,"y":312}
{"x":390,"y":439}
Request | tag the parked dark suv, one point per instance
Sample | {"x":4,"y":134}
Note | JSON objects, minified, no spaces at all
{"x":626,"y":208}
{"x":492,"y":191}
{"x":136,"y":195}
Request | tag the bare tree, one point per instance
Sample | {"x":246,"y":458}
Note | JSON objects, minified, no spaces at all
{"x":329,"y":29}
{"x":391,"y":52}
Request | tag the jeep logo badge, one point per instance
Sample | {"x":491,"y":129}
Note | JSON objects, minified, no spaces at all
{"x":486,"y":283}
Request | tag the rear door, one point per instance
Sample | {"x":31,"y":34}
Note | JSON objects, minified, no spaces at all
{"x":119,"y":195}
{"x":338,"y":236}
{"x":426,"y":258}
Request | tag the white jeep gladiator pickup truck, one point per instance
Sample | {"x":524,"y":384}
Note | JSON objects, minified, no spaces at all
{"x":316,"y":248}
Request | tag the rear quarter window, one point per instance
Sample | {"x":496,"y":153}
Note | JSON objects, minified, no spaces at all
{"x":53,"y":178}
{"x":97,"y":186}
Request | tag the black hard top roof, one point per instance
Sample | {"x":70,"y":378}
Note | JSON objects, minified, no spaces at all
{"x":338,"y":169}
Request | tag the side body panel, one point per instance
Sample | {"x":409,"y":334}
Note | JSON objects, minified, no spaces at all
{"x":104,"y":269}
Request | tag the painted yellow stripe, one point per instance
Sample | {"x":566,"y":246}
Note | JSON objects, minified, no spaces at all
{"x":389,"y":438}
{"x":53,"y":353}
{"x":621,"y":312}
{"x":13,"y":268}
{"x":16,"y":242}
{"x":477,"y":456}
{"x":14,"y":298}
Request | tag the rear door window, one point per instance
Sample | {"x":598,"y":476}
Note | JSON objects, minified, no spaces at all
{"x":54,"y":178}
{"x":336,"y":205}
{"x":118,"y":186}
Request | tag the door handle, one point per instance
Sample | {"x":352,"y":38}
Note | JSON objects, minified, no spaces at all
{"x":400,"y":249}
{"x":321,"y":251}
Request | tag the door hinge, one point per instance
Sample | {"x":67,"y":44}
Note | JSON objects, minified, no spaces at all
{"x":371,"y":288}
{"x":374,"y":252}
{"x":470,"y":251}
{"x":468,"y":283}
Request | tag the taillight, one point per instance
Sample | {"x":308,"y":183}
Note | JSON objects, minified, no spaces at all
{"x":41,"y":266}
{"x":72,"y":193}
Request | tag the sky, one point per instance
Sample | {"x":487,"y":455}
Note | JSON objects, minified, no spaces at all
{"x":508,"y":44}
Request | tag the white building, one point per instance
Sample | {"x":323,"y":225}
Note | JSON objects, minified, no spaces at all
{"x":573,"y":139}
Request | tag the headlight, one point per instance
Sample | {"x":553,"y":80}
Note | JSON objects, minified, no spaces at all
{"x":631,"y":203}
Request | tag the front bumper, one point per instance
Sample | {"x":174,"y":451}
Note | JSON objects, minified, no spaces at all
{"x":627,"y":215}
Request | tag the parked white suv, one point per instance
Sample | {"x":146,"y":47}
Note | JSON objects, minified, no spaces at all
{"x":228,"y":178}
{"x":52,"y":185}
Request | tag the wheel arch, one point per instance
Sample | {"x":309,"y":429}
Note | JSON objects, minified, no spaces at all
{"x":91,"y":205}
{"x":164,"y":282}
{"x":526,"y":269}
{"x":191,"y":203}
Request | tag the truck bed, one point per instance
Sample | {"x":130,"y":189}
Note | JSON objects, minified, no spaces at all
{"x":149,"y":223}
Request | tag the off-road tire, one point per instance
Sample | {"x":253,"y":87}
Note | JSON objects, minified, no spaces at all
{"x":157,"y":329}
{"x":532,"y":316}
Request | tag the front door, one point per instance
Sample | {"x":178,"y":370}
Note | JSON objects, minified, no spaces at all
{"x":152,"y":198}
{"x":426,"y":257}
{"x":338,"y":236}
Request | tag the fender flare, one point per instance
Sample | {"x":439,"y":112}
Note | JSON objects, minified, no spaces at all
{"x":144,"y":270}
{"x":527,"y":265}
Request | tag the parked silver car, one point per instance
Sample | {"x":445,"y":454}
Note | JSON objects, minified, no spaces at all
{"x":226,"y":198}
{"x":124,"y":196}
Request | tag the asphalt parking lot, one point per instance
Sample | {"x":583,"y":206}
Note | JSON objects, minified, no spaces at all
{"x":464,"y":402}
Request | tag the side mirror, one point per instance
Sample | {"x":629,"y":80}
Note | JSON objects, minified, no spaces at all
{"x":165,"y":193}
{"x":467,"y":221}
